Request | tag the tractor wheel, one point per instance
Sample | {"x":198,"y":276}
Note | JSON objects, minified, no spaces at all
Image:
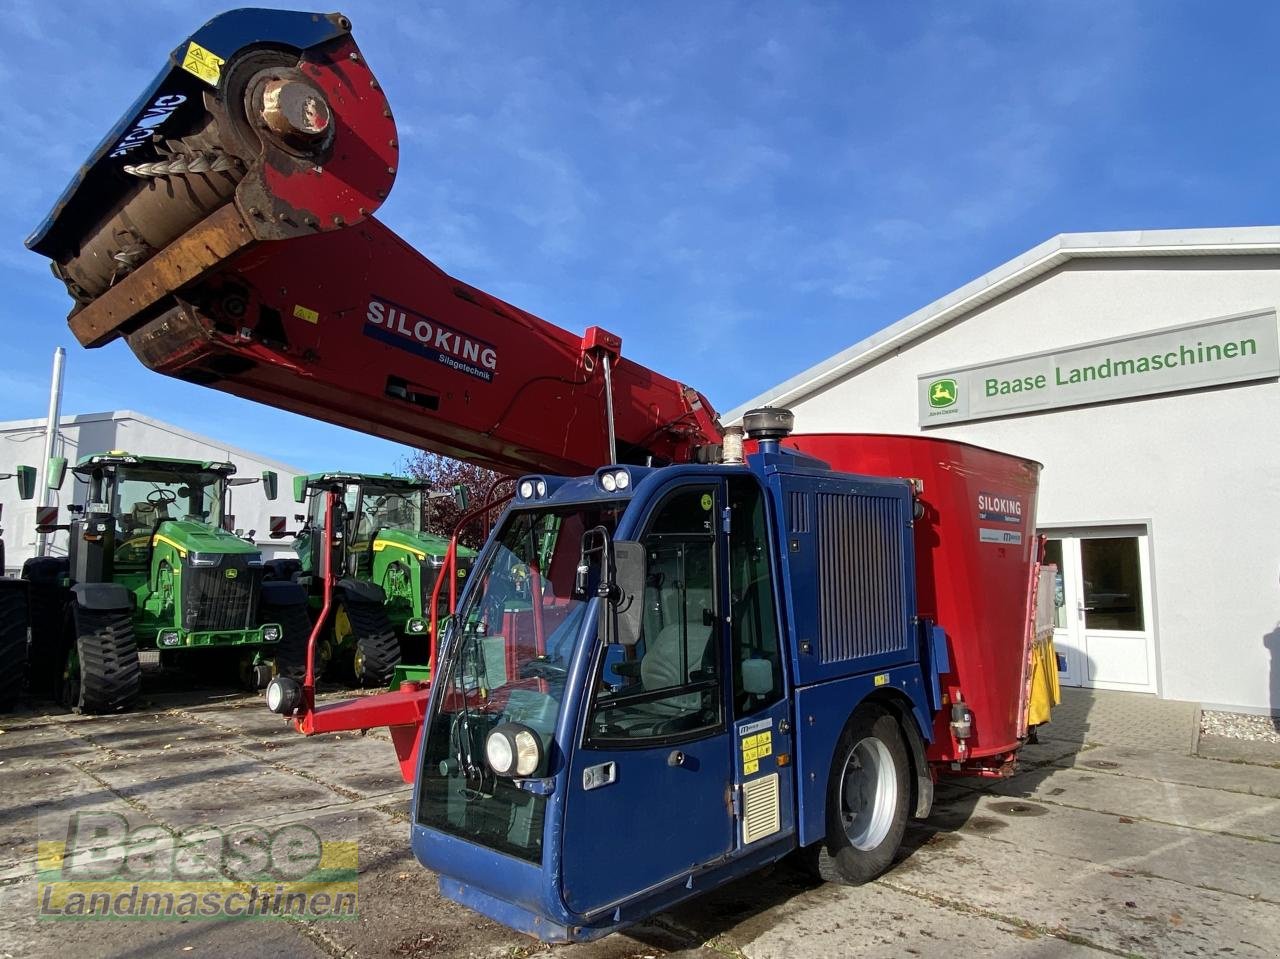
{"x":13,"y":641}
{"x":377,"y":648}
{"x":102,"y":673}
{"x":868,"y":792}
{"x":295,"y":631}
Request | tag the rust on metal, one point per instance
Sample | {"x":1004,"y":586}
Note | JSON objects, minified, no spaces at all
{"x":205,"y":246}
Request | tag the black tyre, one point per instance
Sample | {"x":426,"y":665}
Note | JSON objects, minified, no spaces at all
{"x":295,"y":631}
{"x":868,"y":798}
{"x":377,"y":648}
{"x":13,"y":641}
{"x":102,"y":672}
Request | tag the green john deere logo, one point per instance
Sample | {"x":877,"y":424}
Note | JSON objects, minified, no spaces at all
{"x":943,"y":393}
{"x":232,"y":573}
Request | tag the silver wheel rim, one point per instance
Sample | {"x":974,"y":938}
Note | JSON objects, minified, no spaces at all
{"x":868,"y":794}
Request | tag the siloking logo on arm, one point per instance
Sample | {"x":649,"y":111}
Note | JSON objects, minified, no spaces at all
{"x":404,"y":329}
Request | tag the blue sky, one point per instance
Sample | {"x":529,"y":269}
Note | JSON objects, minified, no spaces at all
{"x":738,"y":190}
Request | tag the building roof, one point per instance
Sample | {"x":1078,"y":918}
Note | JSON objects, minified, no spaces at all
{"x":1224,"y":241}
{"x":8,"y":426}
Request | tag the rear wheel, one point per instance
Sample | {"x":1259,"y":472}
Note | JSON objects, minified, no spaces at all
{"x":377,"y":648}
{"x":868,"y":792}
{"x":13,"y":641}
{"x":102,"y":673}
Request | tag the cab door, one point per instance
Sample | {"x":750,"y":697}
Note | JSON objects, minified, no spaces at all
{"x":650,"y":788}
{"x":763,"y":771}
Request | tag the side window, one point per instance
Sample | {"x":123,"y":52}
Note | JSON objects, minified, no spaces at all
{"x":757,"y":660}
{"x":668,"y":685}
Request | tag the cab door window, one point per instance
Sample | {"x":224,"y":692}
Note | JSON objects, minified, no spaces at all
{"x":757,"y":659}
{"x":667,"y":687}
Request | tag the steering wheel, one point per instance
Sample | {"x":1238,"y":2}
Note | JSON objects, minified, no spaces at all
{"x":162,"y":497}
{"x":543,"y":668}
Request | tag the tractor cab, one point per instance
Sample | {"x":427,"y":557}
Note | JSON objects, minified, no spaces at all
{"x":387,"y":556}
{"x":138,"y":495}
{"x":154,"y":576}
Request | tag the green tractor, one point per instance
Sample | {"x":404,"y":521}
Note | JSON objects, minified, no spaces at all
{"x":379,"y":633}
{"x":152,"y":579}
{"x":13,"y":610}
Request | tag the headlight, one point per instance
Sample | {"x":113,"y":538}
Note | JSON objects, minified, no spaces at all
{"x":513,"y":749}
{"x":623,"y":479}
{"x":417,"y":626}
{"x":526,"y":489}
{"x":204,"y":559}
{"x":542,"y":487}
{"x":608,"y":482}
{"x":500,"y":751}
{"x":283,"y":695}
{"x":169,"y":637}
{"x":270,"y":634}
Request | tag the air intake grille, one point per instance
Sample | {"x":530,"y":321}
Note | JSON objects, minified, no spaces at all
{"x":213,"y":601}
{"x":800,"y":504}
{"x":861,"y":587}
{"x":761,"y":815}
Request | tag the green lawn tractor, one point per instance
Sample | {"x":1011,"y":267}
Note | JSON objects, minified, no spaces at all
{"x":13,"y":610}
{"x":379,"y":631}
{"x":152,"y":580}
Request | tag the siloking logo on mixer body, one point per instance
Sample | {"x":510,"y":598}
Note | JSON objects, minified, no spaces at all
{"x":400,"y":327}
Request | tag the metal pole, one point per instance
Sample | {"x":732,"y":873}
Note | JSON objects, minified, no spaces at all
{"x":50,"y":438}
{"x":608,"y":406}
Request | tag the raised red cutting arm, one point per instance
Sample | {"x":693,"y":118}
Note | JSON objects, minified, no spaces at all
{"x":233,"y":245}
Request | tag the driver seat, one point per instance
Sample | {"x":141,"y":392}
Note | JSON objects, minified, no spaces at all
{"x":144,"y":517}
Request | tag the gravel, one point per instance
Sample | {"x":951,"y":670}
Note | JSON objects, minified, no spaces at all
{"x":1264,"y":729}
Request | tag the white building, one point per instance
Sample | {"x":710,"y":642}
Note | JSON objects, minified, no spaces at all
{"x":1141,"y":370}
{"x":22,"y":443}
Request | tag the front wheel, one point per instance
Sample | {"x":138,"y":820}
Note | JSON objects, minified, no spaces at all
{"x":868,"y":792}
{"x":102,"y":673}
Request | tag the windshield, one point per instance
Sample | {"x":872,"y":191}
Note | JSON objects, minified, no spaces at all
{"x":385,"y":508}
{"x":511,"y":645}
{"x":145,"y":498}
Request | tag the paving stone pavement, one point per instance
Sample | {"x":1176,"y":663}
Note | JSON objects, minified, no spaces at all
{"x":1111,"y":840}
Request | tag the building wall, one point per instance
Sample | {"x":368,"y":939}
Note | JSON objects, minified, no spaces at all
{"x":1202,"y":467}
{"x":22,"y":443}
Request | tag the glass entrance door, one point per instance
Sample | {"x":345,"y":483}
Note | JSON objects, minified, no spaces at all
{"x":1103,"y":631}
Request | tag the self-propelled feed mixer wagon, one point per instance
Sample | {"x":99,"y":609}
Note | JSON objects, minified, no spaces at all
{"x":676,"y":660}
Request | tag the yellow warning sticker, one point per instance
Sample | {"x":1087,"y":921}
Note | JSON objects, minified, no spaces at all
{"x":882,"y":679}
{"x":755,"y":748}
{"x":203,"y":63}
{"x":302,"y":313}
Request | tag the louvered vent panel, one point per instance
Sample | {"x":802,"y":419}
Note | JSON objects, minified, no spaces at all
{"x":801,"y":504}
{"x":861,"y":591}
{"x":761,"y":815}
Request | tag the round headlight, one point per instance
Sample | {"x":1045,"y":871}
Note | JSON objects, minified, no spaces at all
{"x":542,"y":487}
{"x":528,"y":752}
{"x":526,"y":489}
{"x":283,"y":695}
{"x":498,"y":749}
{"x":417,"y":626}
{"x":270,"y":634}
{"x":608,"y":482}
{"x":623,"y":479}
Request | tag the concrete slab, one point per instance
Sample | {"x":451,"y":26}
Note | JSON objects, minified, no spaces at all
{"x":1244,"y":867}
{"x":1208,"y":809}
{"x":1167,"y":767}
{"x":1091,"y":904}
{"x":880,"y":922}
